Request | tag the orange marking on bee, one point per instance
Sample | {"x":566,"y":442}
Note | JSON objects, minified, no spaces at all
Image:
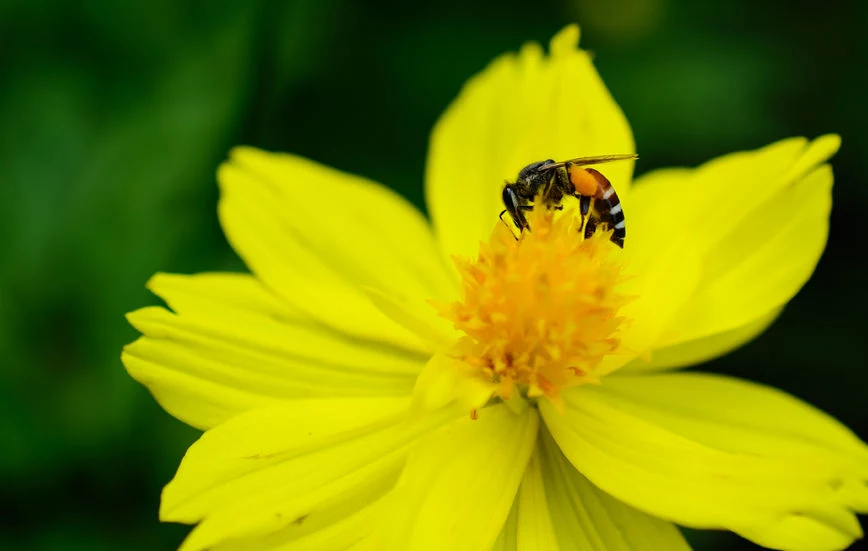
{"x":583,"y":181}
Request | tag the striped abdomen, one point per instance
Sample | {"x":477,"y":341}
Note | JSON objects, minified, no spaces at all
{"x":606,"y":206}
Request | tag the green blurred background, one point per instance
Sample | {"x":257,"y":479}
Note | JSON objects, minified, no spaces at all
{"x":114,"y":116}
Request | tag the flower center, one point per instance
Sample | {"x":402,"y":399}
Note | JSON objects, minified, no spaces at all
{"x":539,"y":313}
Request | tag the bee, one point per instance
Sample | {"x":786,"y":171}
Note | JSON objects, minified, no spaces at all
{"x":553,"y":180}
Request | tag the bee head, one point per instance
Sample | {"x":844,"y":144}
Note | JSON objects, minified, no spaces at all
{"x":532,"y":169}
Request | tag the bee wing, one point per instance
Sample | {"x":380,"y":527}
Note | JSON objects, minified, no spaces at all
{"x":587,"y":161}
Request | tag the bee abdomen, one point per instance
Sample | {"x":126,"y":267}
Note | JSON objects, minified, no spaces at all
{"x":608,"y":208}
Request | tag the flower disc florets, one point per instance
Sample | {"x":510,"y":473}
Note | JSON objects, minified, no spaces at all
{"x":539,"y":312}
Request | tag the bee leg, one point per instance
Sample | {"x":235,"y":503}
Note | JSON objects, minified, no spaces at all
{"x":591,"y":226}
{"x":584,"y":208}
{"x":505,"y":223}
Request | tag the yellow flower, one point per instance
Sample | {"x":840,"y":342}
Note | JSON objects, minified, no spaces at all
{"x":360,"y":390}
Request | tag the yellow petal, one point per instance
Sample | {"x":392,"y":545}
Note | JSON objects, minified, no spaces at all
{"x":709,"y":452}
{"x":506,"y":539}
{"x":720,"y":195}
{"x":459,"y":483}
{"x":350,"y":532}
{"x":534,"y":525}
{"x":584,"y":517}
{"x":234,"y":346}
{"x":520,"y":109}
{"x":415,"y":315}
{"x":759,"y":220}
{"x":448,"y":381}
{"x":558,"y":509}
{"x":315,"y":236}
{"x":663,"y":266}
{"x":764,"y":421}
{"x":797,"y":533}
{"x":762,"y":264}
{"x":703,"y":349}
{"x":285,"y":471}
{"x":664,"y":275}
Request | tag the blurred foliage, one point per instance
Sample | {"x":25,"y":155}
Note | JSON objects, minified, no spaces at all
{"x":115,"y":116}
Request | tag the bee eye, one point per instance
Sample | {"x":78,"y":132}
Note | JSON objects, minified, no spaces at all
{"x":510,"y":200}
{"x":513,"y":207}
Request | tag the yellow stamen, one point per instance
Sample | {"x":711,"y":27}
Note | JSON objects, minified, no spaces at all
{"x":539,"y":313}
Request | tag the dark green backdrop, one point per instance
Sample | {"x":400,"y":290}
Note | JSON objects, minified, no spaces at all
{"x":114,"y":116}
